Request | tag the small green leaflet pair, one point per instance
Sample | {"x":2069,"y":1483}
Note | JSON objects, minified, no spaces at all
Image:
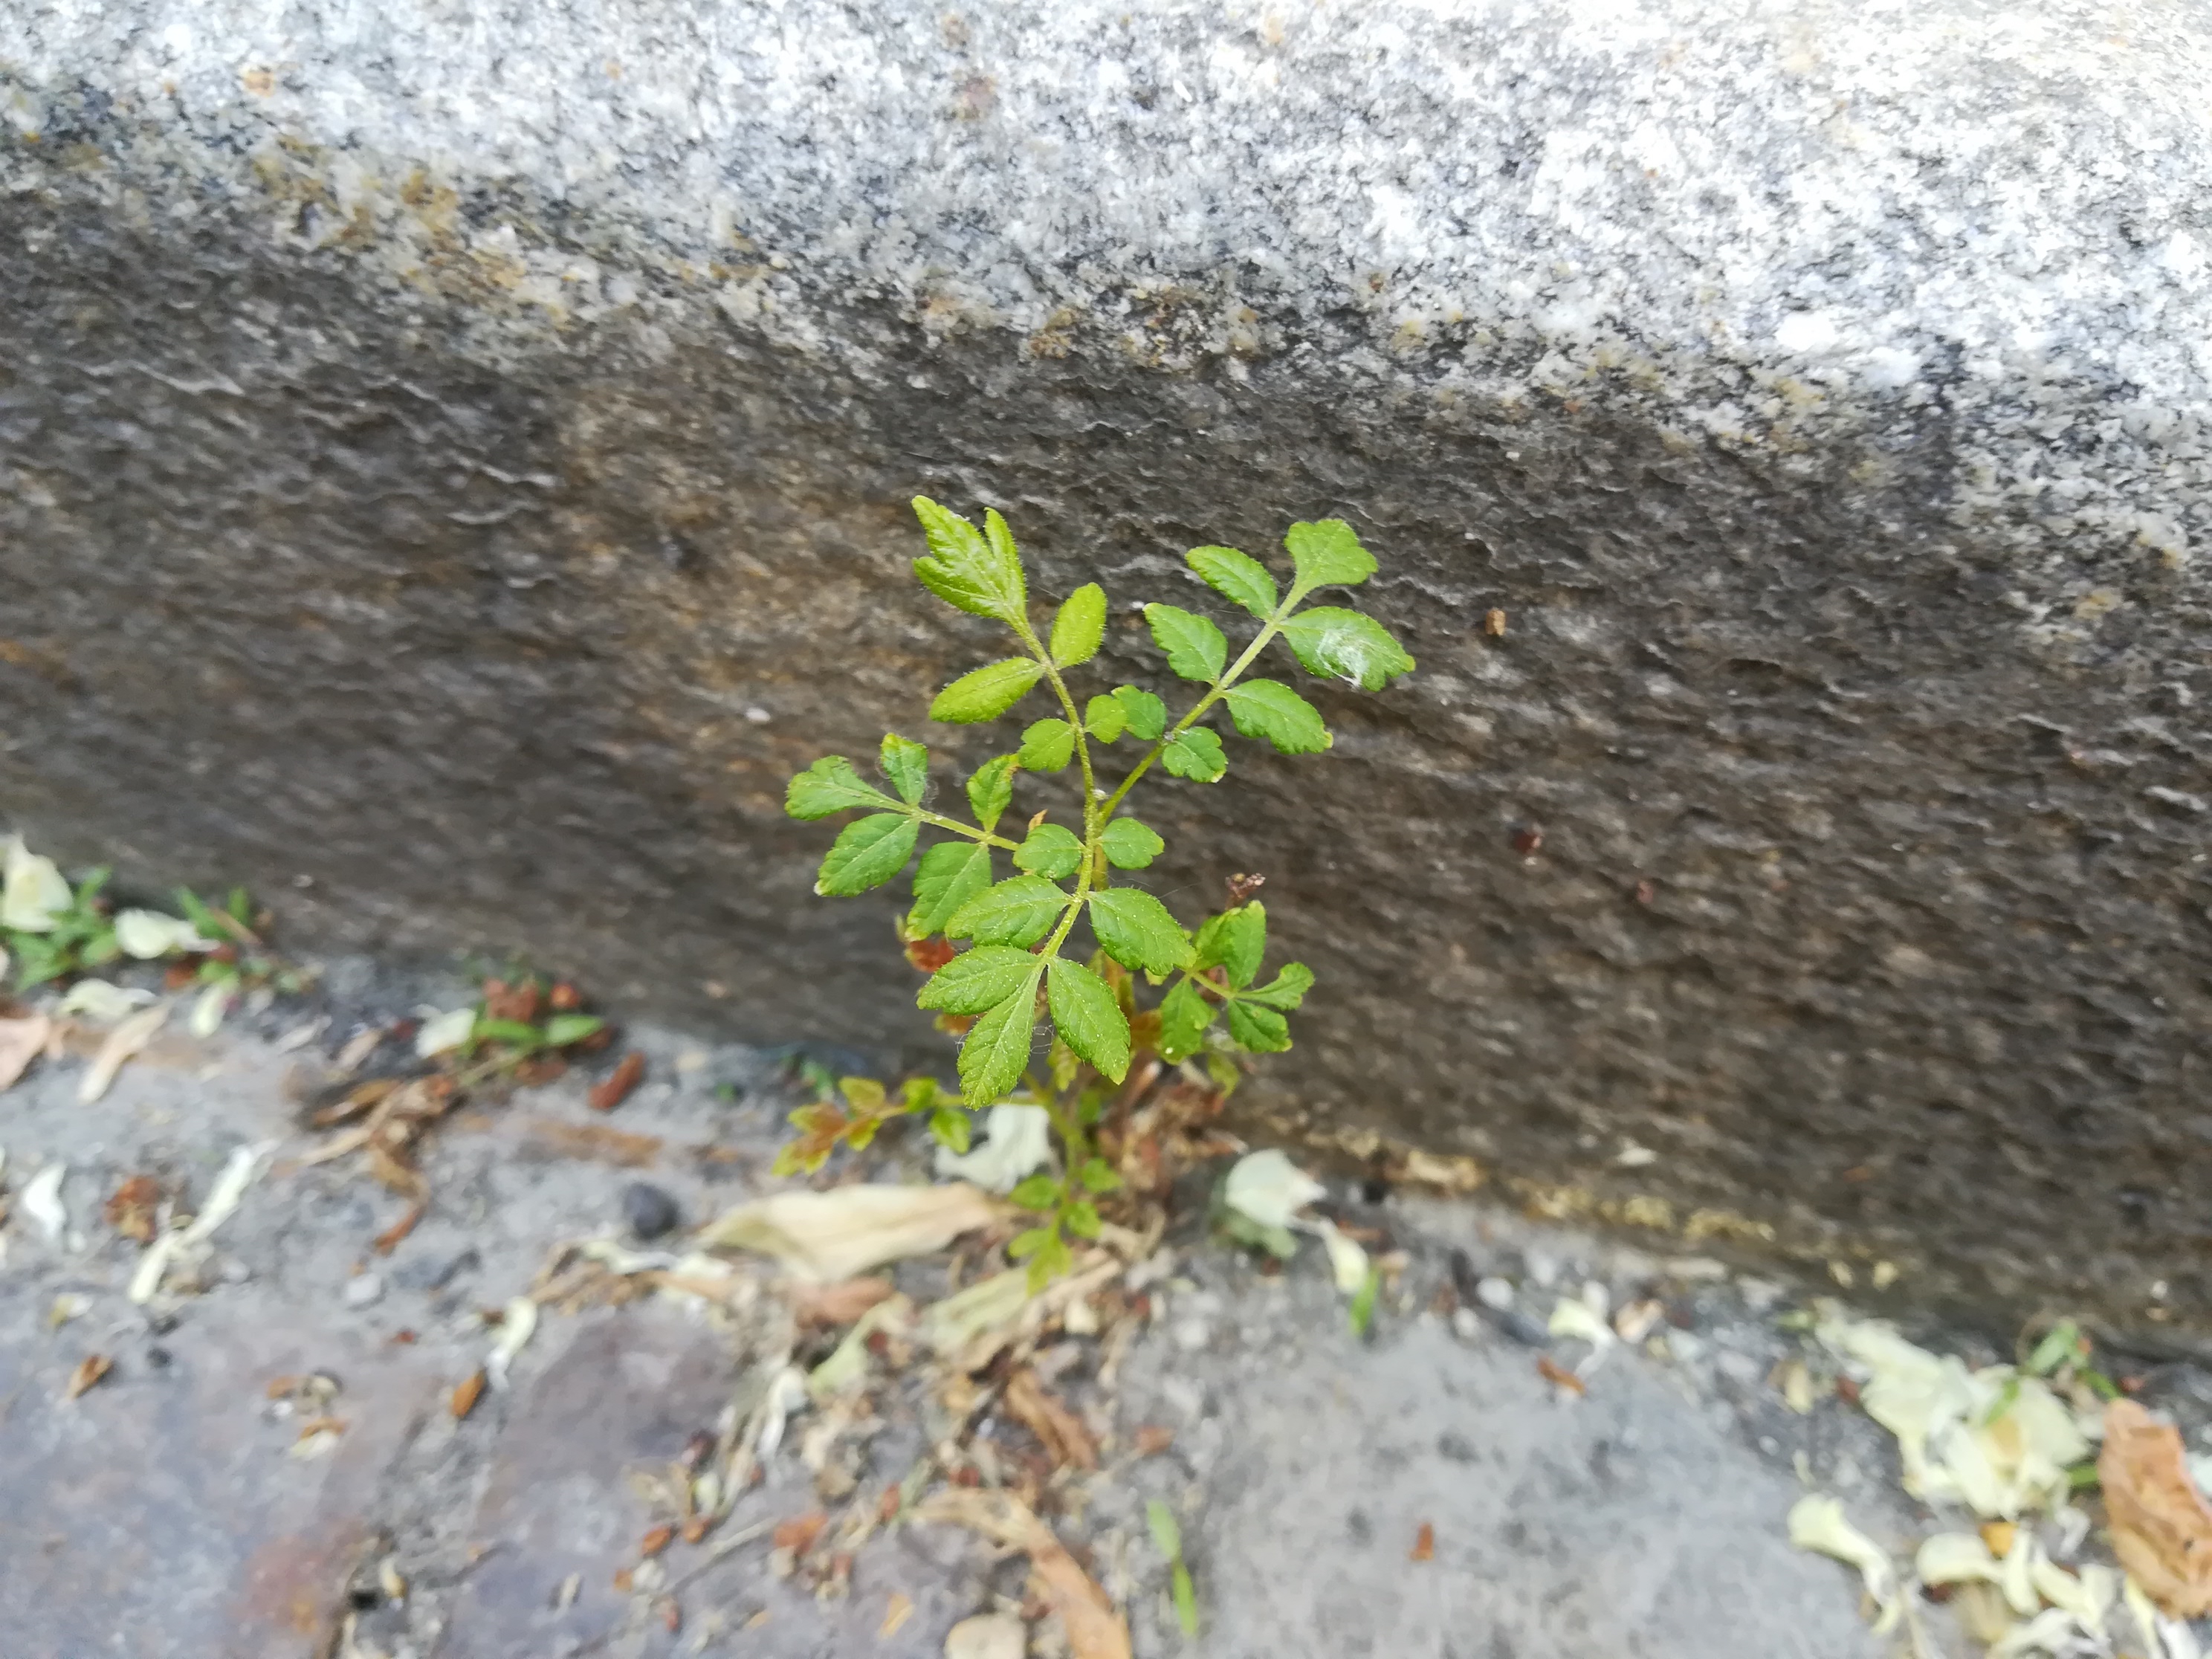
{"x":1012,"y":973}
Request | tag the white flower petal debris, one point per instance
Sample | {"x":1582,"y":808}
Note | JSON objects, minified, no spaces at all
{"x":1019,"y":1142}
{"x":34,"y":892}
{"x":442,"y":1033}
{"x":124,"y":1040}
{"x":1997,"y":1440}
{"x":239,"y":1171}
{"x":1817,"y":1522}
{"x":102,"y":1002}
{"x":1347,"y":1260}
{"x":516,"y":1326}
{"x":1268,"y":1189}
{"x":148,"y":935}
{"x":42,"y":1202}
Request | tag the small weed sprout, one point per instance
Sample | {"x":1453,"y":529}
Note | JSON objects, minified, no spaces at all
{"x":1015,"y":972}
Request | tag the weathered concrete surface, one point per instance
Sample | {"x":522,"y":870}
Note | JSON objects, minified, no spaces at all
{"x":456,"y":459}
{"x":159,"y":1515}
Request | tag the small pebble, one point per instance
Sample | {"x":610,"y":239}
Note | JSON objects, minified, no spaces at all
{"x":1543,"y":1269}
{"x":364,"y":1289}
{"x":650,"y":1210}
{"x":1494,"y":1293}
{"x":1465,"y":1325}
{"x":1529,"y":1332}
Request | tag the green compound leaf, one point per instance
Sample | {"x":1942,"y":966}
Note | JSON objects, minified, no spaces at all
{"x":1020,"y":911}
{"x":1051,"y":850}
{"x":997,"y":1050}
{"x":1039,"y":1192}
{"x":990,"y":790}
{"x":949,"y":875}
{"x":978,"y":980}
{"x":1342,"y":645}
{"x":1270,"y":709}
{"x":988,"y":692}
{"x":1195,"y":648}
{"x":1082,"y":1218}
{"x":1047,"y":746}
{"x":980,"y":574}
{"x":949,"y":1127}
{"x":1097,"y":1177}
{"x":1325,"y":551}
{"x":1130,"y":845}
{"x":1184,"y":1014}
{"x":1135,"y":929}
{"x":906,"y":763}
{"x":1286,"y":991}
{"x":1196,"y":755}
{"x":1087,"y":1016}
{"x":1236,"y":576}
{"x":1234,"y":940}
{"x":1080,"y":625}
{"x":1147,"y":714}
{"x":1262,"y":1030}
{"x":1024,"y":1245}
{"x":867,"y":853}
{"x":830,"y":785}
{"x":1105,"y":719}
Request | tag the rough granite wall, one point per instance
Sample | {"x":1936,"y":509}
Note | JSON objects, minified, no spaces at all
{"x":452,"y":464}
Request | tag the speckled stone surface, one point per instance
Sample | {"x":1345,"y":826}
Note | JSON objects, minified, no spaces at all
{"x":455,"y":457}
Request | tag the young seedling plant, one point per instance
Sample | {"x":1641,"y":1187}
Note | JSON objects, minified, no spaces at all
{"x":1003,"y":949}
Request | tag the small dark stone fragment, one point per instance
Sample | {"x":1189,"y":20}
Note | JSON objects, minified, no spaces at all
{"x":650,"y":1210}
{"x":433,"y":1274}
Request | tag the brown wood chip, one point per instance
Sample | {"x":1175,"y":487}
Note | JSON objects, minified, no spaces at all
{"x":610,"y":1094}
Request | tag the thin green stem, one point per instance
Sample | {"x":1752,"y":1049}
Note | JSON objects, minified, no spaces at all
{"x":1268,"y":630}
{"x":939,"y":821}
{"x":1075,"y":724}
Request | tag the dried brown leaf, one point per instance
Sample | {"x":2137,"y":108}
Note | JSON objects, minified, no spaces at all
{"x":129,"y":1208}
{"x":1095,"y":1630}
{"x":1425,"y":1543}
{"x":519,"y":1004}
{"x":21,"y":1042}
{"x":615,"y":1090}
{"x":1152,"y":1439}
{"x":358,"y":1099}
{"x":841,"y":1233}
{"x":798,"y":1535}
{"x":2162,"y":1526}
{"x":837,"y":1304}
{"x":655,"y":1540}
{"x":466,"y":1394}
{"x":88,"y":1371}
{"x":358,"y":1048}
{"x":1057,"y":1429}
